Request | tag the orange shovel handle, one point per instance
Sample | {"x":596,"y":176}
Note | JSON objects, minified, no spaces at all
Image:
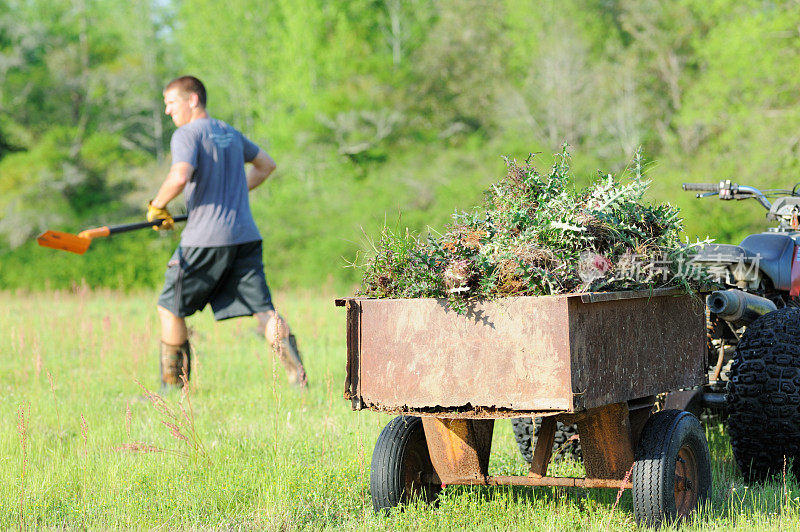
{"x":97,"y":232}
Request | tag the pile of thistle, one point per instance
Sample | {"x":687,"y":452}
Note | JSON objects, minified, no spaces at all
{"x":536,"y":235}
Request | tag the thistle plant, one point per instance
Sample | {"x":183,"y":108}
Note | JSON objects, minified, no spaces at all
{"x":535,"y":235}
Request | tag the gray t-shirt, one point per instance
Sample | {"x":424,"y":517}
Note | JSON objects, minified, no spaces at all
{"x":216,"y":194}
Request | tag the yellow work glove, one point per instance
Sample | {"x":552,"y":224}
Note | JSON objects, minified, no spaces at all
{"x":159,"y":213}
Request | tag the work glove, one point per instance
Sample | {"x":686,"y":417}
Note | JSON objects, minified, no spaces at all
{"x":159,"y":213}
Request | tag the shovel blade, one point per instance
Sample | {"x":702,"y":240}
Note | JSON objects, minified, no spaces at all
{"x":65,"y":241}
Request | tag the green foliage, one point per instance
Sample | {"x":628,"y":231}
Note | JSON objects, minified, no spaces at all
{"x":379,"y":107}
{"x":122,"y":262}
{"x":318,"y":213}
{"x":458,"y":69}
{"x":48,"y":186}
{"x":745,"y":100}
{"x":537,"y":236}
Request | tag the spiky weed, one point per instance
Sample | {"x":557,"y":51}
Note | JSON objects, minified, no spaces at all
{"x":535,"y":235}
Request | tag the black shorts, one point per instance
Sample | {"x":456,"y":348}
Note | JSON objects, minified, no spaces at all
{"x":231,"y":278}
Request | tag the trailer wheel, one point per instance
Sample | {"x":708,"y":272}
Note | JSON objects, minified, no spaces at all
{"x":763,"y":395}
{"x":672,"y":470}
{"x":401,"y":468}
{"x":566,"y":442}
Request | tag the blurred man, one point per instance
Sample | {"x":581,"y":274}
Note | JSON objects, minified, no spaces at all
{"x":219,"y":258}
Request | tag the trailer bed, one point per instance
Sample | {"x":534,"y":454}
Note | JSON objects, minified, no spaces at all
{"x":522,"y":355}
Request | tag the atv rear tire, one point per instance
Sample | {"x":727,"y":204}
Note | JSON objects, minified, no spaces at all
{"x":763,"y":395}
{"x":565,"y":444}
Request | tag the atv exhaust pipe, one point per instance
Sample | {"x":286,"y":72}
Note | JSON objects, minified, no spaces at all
{"x":738,"y":307}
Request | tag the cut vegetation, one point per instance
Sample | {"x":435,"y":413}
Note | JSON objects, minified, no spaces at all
{"x":536,"y":235}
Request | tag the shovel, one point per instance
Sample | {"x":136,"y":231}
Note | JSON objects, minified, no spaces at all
{"x":80,"y":243}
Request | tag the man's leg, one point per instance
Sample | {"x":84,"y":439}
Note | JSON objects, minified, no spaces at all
{"x":176,"y":356}
{"x":283,"y":342}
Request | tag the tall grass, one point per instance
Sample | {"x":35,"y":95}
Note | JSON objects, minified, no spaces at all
{"x":272,"y":457}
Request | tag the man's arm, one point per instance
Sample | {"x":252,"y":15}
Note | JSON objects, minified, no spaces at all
{"x":176,"y":180}
{"x":263,"y":166}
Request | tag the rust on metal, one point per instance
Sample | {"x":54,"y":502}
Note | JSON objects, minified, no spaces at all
{"x":687,"y":481}
{"x":558,"y":481}
{"x":682,"y":484}
{"x":638,"y":413}
{"x":512,"y":354}
{"x":551,"y":354}
{"x":606,"y":441}
{"x":689,"y":400}
{"x":630,"y":348}
{"x":459,"y":448}
{"x":544,"y":447}
{"x":596,"y":297}
{"x":351,"y":385}
{"x":465,"y":412}
{"x":566,"y":482}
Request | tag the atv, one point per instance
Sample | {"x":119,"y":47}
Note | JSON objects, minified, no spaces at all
{"x":754,"y":334}
{"x":753,"y":341}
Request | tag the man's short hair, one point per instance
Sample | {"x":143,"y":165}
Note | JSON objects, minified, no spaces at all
{"x":189,"y":85}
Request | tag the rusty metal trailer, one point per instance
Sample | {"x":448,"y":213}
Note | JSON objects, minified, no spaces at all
{"x":595,"y":359}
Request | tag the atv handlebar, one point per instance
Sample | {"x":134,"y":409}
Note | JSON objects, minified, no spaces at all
{"x":701,"y":187}
{"x":729,"y":191}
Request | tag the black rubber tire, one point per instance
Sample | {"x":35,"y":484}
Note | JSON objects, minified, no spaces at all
{"x":672,"y":444}
{"x":400,"y":463}
{"x":763,"y":395}
{"x":565,"y":443}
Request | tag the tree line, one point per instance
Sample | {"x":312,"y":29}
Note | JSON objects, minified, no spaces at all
{"x":384,"y":106}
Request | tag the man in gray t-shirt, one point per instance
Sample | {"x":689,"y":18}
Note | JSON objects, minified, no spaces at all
{"x":219,"y":259}
{"x":217,"y":201}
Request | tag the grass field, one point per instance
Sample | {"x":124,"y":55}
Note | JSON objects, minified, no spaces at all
{"x":82,"y":445}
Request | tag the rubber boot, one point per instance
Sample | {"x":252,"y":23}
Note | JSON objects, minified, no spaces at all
{"x":289,"y":356}
{"x":176,"y":360}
